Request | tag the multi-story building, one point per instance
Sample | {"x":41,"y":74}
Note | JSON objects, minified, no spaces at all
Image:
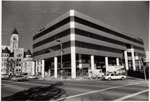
{"x":12,"y":56}
{"x":5,"y":57}
{"x":82,"y":42}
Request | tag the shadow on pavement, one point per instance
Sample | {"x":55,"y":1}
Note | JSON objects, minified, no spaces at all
{"x":40,"y":93}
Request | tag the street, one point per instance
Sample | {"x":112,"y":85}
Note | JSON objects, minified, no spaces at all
{"x":76,"y":90}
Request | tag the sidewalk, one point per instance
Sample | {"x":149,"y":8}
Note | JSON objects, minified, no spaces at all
{"x":68,"y":79}
{"x":134,"y":78}
{"x":81,"y":79}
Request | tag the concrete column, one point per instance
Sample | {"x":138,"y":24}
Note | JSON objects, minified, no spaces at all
{"x":117,"y":61}
{"x":133,"y":59}
{"x":49,"y":72}
{"x":33,"y":68}
{"x":73,"y":49}
{"x":106,"y":63}
{"x":139,"y":65}
{"x":80,"y":61}
{"x":43,"y":68}
{"x":73,"y":62}
{"x":55,"y":67}
{"x":126,"y":60}
{"x":92,"y":63}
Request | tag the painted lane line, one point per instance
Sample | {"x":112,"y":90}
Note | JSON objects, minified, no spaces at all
{"x":95,"y":91}
{"x":131,"y":95}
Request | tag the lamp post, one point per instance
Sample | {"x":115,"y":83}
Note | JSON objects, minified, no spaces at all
{"x":144,"y":67}
{"x":61,"y":53}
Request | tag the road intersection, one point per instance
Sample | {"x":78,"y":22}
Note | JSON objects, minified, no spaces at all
{"x":86,"y":90}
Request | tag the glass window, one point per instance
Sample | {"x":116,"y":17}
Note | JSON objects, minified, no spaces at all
{"x":98,"y":37}
{"x":54,"y":48}
{"x":57,"y":25}
{"x":52,"y":38}
{"x":112,"y":75}
{"x":96,"y":47}
{"x":109,"y":31}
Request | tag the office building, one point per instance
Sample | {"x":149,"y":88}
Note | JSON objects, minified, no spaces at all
{"x":75,"y":41}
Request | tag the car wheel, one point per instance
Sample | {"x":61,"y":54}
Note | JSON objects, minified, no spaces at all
{"x":122,"y":78}
{"x":109,"y":79}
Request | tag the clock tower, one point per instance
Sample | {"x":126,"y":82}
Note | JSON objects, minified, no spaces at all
{"x":14,"y":40}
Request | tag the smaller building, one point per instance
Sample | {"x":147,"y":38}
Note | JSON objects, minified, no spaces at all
{"x":14,"y":60}
{"x":28,"y":65}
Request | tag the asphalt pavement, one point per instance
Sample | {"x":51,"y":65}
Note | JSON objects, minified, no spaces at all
{"x":83,"y":90}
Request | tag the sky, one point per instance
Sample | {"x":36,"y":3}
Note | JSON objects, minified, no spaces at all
{"x":28,"y":17}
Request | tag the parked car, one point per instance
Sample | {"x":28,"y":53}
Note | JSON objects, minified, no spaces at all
{"x":19,"y":78}
{"x":5,"y":76}
{"x":112,"y":76}
{"x":32,"y":77}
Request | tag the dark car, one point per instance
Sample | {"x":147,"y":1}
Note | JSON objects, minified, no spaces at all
{"x":19,"y":78}
{"x":5,"y":76}
{"x":32,"y":77}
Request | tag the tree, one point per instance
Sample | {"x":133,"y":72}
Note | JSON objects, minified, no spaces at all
{"x":11,"y":63}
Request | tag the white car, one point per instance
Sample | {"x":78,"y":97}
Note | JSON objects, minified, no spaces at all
{"x":113,"y":76}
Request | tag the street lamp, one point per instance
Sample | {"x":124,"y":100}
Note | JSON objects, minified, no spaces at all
{"x":61,"y":53}
{"x":144,"y":67}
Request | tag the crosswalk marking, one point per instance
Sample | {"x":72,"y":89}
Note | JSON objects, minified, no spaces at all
{"x":131,"y":95}
{"x":95,"y":91}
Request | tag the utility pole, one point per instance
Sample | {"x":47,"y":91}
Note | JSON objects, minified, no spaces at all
{"x":144,"y":67}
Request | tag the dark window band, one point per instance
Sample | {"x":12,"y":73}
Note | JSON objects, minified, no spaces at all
{"x":142,"y":55}
{"x":98,"y":27}
{"x":138,"y":48}
{"x":57,"y":25}
{"x":98,"y":37}
{"x":53,"y":48}
{"x":52,"y":38}
{"x":96,"y":47}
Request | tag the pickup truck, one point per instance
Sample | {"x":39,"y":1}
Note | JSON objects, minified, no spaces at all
{"x":95,"y":74}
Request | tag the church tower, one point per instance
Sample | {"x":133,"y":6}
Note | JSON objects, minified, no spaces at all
{"x":14,"y":40}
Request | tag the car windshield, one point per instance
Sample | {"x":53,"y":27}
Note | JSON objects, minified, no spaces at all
{"x":107,"y":74}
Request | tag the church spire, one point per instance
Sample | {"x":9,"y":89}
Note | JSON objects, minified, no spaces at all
{"x":15,"y":31}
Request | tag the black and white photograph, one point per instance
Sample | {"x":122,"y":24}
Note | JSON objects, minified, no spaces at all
{"x":74,"y":50}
